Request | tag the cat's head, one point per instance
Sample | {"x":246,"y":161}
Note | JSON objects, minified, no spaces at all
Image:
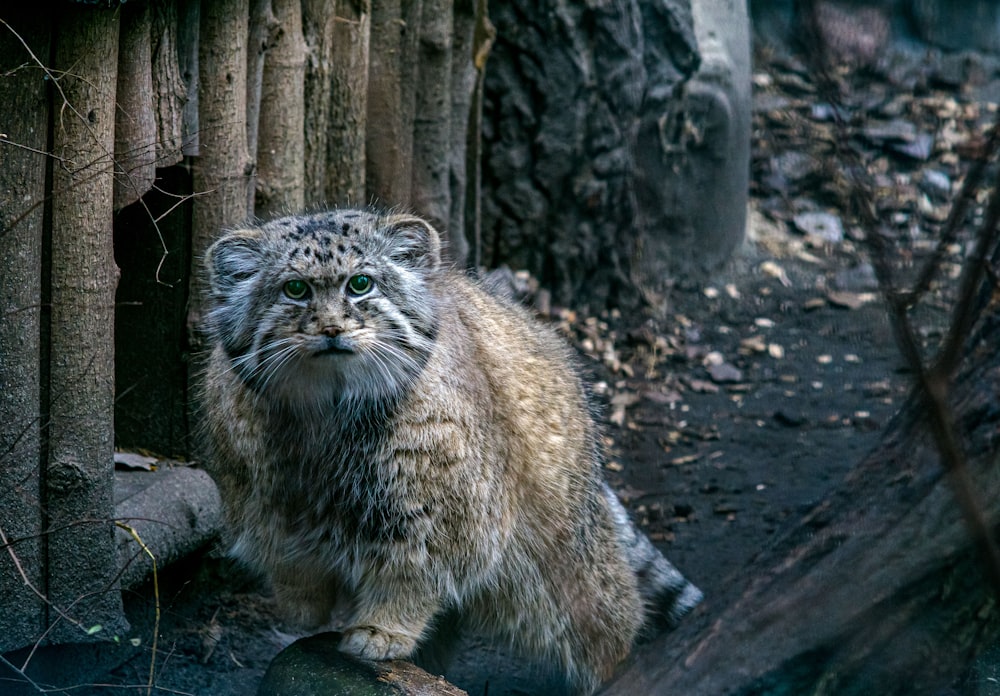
{"x":331,"y":306}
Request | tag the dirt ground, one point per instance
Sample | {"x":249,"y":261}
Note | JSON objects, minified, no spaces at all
{"x":731,"y":406}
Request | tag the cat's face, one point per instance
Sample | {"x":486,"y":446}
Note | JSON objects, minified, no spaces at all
{"x":326,"y":307}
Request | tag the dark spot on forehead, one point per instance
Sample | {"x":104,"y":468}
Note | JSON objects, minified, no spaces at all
{"x":341,"y":248}
{"x":346,"y":229}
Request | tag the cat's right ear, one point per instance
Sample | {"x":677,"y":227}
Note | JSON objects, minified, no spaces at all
{"x":232,"y":259}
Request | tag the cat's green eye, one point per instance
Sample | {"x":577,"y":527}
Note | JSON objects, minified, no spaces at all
{"x":360,"y":284}
{"x":296,"y":289}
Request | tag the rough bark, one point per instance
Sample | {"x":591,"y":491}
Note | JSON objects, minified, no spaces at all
{"x":387,"y":177}
{"x":135,"y":129}
{"x":431,"y":192}
{"x":318,"y":23}
{"x":463,"y":81}
{"x":168,"y":86}
{"x":189,"y":26}
{"x":483,"y":37}
{"x":411,"y":15}
{"x":878,"y":590}
{"x":222,"y":172}
{"x":346,"y":154}
{"x":81,"y":554}
{"x":263,"y":27}
{"x":567,"y":89}
{"x":25,"y":111}
{"x":280,"y":146}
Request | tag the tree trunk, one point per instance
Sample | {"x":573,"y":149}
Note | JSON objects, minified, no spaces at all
{"x":189,"y":27}
{"x":432,"y":124}
{"x":483,"y":36}
{"x":878,"y":590}
{"x":388,"y":161}
{"x":463,"y":81}
{"x":222,"y":172}
{"x":81,"y":553}
{"x":25,"y":111}
{"x":411,"y":15}
{"x":263,"y":28}
{"x":135,"y":124}
{"x":167,"y":83}
{"x":318,"y":23}
{"x":281,"y":146}
{"x":346,"y":155}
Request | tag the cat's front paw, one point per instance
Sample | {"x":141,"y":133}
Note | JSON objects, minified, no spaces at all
{"x":372,"y":643}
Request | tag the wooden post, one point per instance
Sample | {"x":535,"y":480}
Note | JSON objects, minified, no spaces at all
{"x":188,"y":29}
{"x":432,"y":123}
{"x":135,"y":122}
{"x":222,"y":171}
{"x":79,"y":479}
{"x":389,"y":130}
{"x":170,"y":90}
{"x":463,"y":83}
{"x":346,"y":154}
{"x":25,"y":112}
{"x":318,"y":22}
{"x":281,"y":132}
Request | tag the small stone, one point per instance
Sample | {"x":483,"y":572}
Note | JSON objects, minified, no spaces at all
{"x":825,"y":226}
{"x":936,"y":184}
{"x":725,"y":373}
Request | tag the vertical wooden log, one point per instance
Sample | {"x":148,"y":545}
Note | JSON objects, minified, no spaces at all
{"x":82,"y":560}
{"x":188,"y":28}
{"x":25,"y":112}
{"x":409,"y":69}
{"x":222,"y":171}
{"x":281,"y":146}
{"x":432,"y":124}
{"x":483,"y":36}
{"x":388,"y":162}
{"x":263,"y":26}
{"x":168,"y":87}
{"x":318,"y":21}
{"x":135,"y":122}
{"x":463,"y":82}
{"x":346,"y":149}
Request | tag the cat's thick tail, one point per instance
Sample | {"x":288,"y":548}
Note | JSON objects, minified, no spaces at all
{"x":667,"y":594}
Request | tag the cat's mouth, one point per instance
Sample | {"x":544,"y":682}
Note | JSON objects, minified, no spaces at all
{"x":336,"y":345}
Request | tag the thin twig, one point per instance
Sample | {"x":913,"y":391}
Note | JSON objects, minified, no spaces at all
{"x":156,"y":600}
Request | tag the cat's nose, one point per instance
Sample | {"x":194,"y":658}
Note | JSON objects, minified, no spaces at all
{"x":331,"y":330}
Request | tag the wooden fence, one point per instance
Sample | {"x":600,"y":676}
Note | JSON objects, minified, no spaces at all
{"x":129,"y":136}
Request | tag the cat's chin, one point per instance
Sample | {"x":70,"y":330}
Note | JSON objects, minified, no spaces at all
{"x":335,"y":379}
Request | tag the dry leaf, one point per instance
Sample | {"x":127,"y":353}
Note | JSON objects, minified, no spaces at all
{"x":132,"y":460}
{"x":850,"y":300}
{"x":772,"y":269}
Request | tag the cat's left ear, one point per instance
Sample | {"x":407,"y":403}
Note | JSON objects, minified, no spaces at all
{"x":414,"y":241}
